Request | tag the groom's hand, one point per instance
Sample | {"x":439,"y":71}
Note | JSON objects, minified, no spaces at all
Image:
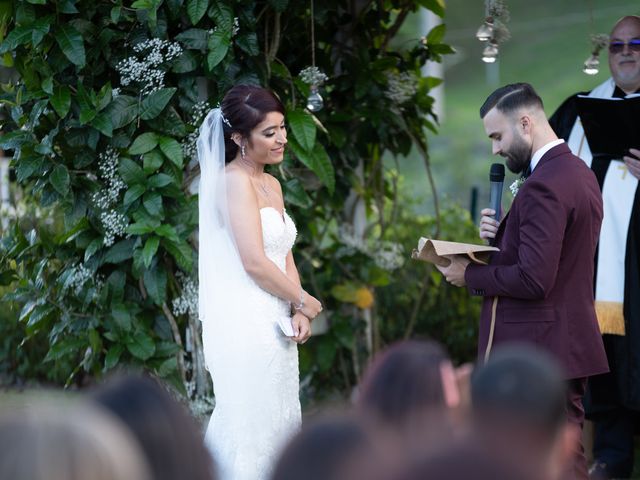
{"x":454,"y":273}
{"x":488,"y":224}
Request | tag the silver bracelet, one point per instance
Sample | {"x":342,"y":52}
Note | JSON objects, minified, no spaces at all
{"x":300,"y":306}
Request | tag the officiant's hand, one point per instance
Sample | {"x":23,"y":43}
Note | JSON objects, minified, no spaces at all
{"x":454,"y":273}
{"x":633,"y":162}
{"x":301,"y":328}
{"x":488,"y":224}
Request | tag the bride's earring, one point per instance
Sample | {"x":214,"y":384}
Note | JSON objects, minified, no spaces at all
{"x":242,"y":151}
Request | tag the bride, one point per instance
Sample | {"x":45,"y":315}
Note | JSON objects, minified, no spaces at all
{"x":253,"y":309}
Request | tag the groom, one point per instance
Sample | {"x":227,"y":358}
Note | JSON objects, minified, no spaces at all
{"x":539,"y":287}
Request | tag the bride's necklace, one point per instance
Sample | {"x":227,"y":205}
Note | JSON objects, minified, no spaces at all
{"x":265,"y":190}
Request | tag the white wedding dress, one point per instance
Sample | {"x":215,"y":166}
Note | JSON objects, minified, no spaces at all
{"x":254,"y":368}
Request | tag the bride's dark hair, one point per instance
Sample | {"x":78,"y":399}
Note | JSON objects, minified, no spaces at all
{"x":244,"y":107}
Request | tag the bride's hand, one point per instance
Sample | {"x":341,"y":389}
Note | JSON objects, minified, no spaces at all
{"x":301,"y":328}
{"x":311,"y":307}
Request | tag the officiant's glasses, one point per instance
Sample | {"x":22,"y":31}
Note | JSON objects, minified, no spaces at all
{"x":618,"y":47}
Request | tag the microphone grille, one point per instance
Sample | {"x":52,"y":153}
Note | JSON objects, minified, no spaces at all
{"x":496,"y":174}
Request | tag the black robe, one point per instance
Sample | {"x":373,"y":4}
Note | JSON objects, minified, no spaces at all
{"x":621,"y":386}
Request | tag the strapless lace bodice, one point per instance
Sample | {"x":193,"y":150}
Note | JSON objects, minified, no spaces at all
{"x":278,"y":235}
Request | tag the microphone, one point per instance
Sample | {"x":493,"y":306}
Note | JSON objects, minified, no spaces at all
{"x":496,"y":181}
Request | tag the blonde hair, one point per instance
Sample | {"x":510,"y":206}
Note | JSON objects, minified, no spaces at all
{"x":59,"y":442}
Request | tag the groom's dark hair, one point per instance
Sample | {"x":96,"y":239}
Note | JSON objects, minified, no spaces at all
{"x":510,"y":98}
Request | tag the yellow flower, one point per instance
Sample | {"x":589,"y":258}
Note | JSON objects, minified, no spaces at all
{"x":364,"y":298}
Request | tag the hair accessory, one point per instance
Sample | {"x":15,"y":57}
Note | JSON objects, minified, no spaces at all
{"x":224,"y":119}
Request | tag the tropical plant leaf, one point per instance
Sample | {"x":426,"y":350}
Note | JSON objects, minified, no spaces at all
{"x":219,"y":44}
{"x":155,"y":281}
{"x":152,"y":202}
{"x":61,"y":100}
{"x":149,"y":250}
{"x":70,"y":42}
{"x":194,"y":38}
{"x":196,"y":10}
{"x":153,"y":104}
{"x":132,"y":194}
{"x":181,"y":252}
{"x":172,"y":149}
{"x":60,"y":179}
{"x":144,"y":143}
{"x":113,"y":356}
{"x":141,"y":346}
{"x":318,"y":162}
{"x":102,"y":122}
{"x":131,"y":172}
{"x":123,"y":110}
{"x":17,"y":36}
{"x":159,"y":180}
{"x":121,"y":251}
{"x":152,"y":161}
{"x":303,"y":128}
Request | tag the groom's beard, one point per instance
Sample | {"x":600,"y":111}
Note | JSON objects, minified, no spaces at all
{"x":518,"y":157}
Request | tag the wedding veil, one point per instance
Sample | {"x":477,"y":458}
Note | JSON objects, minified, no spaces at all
{"x":222,"y":277}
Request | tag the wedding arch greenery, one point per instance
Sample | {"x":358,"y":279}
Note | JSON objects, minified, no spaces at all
{"x":101,"y":102}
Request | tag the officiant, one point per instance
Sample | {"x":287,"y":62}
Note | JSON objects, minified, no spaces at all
{"x":613,"y":399}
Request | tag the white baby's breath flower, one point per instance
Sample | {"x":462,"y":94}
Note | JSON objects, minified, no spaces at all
{"x":114,"y":224}
{"x":187,"y":302}
{"x":401,"y":87}
{"x":113,"y":184}
{"x":386,"y":255}
{"x":148,"y":71}
{"x":313,"y":76}
{"x":236,"y":27}
{"x":515,"y":186}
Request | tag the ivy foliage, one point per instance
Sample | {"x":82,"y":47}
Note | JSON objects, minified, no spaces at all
{"x":101,"y":117}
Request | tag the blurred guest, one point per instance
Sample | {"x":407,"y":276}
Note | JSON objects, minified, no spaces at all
{"x":613,"y":399}
{"x":466,"y":461}
{"x":331,"y":448}
{"x":411,"y":394}
{"x":168,"y":435}
{"x":406,"y":379}
{"x":519,"y":410}
{"x":45,"y":442}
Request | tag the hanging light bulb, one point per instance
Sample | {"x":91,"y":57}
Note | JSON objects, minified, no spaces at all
{"x":314,"y":100}
{"x":485,"y":32}
{"x":490,"y":52}
{"x":591,"y":65}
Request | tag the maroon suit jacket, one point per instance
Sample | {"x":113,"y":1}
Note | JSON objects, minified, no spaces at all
{"x":543,"y":274}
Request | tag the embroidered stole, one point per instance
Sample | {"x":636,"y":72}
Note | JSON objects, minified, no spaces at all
{"x":618,"y":192}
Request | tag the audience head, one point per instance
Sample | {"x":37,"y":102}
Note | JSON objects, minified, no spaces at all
{"x":168,"y":435}
{"x":407,"y":379}
{"x":331,"y":448}
{"x":624,"y":53}
{"x":519,"y":402}
{"x":78,"y":442}
{"x":514,"y":120}
{"x":466,"y":461}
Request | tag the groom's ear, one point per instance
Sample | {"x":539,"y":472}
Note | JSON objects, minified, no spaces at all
{"x":524,"y":123}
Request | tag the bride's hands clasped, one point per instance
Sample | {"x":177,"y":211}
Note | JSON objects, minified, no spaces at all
{"x":301,"y":328}
{"x":311,"y":306}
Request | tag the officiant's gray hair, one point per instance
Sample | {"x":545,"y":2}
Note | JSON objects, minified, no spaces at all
{"x":510,"y":98}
